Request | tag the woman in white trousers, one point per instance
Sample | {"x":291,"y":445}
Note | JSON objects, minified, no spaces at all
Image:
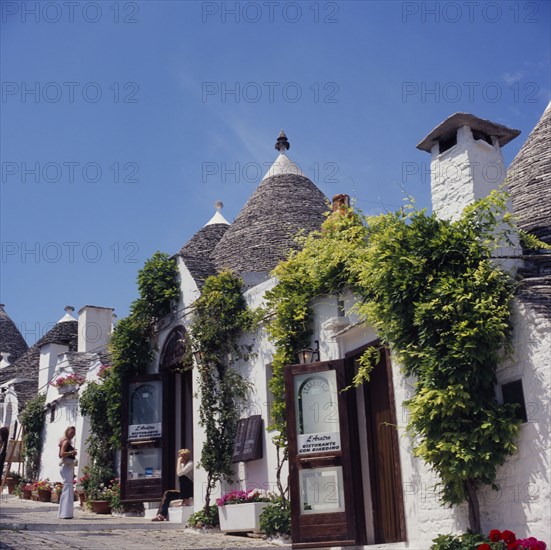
{"x":67,"y":454}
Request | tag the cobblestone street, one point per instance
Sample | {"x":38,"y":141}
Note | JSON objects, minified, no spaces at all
{"x":32,"y":525}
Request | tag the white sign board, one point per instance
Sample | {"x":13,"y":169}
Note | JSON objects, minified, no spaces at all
{"x":144,"y":431}
{"x":319,"y":443}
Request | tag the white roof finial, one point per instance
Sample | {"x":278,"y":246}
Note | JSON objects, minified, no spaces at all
{"x":67,"y":316}
{"x":218,"y":218}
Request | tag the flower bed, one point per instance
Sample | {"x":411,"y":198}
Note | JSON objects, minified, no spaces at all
{"x":239,"y":511}
{"x":507,"y":540}
{"x":243,"y":497}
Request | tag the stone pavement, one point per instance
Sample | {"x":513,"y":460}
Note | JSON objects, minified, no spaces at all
{"x":26,"y":524}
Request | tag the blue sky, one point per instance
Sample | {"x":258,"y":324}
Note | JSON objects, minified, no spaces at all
{"x":123,"y":122}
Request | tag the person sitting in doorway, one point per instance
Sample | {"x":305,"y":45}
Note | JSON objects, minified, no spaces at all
{"x":184,"y":469}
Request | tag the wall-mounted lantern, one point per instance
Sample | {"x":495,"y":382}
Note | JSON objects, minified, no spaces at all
{"x":309,"y":355}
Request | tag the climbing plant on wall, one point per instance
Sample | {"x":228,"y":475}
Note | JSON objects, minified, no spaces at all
{"x":322,"y":266}
{"x":32,"y":420}
{"x":435,"y":296}
{"x":220,"y":318}
{"x":131,"y":347}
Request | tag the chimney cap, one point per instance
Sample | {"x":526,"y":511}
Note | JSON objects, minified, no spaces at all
{"x":445,"y":130}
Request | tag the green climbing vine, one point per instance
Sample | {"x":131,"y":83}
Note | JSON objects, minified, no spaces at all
{"x":131,"y":348}
{"x":435,"y":296}
{"x":220,"y":318}
{"x":32,"y":420}
{"x":321,"y":266}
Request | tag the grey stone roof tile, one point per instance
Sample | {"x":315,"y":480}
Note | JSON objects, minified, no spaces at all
{"x":197,"y":252}
{"x":264,"y":231}
{"x":11,"y":340}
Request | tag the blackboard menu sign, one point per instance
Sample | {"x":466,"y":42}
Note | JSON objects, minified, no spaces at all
{"x":248,"y":441}
{"x":239,"y":440}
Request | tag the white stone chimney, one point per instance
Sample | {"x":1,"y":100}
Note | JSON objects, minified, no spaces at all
{"x":94,"y":328}
{"x":466,"y":161}
{"x":49,"y":353}
{"x":5,"y":359}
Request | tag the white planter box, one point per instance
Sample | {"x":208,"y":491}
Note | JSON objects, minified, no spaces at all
{"x":240,"y":518}
{"x":67,"y":389}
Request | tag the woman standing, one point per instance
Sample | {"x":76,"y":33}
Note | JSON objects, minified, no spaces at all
{"x":67,"y":454}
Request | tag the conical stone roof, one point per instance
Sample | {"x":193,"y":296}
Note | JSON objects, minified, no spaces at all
{"x":529,"y":179}
{"x":265,"y":229}
{"x":11,"y":340}
{"x":197,"y":252}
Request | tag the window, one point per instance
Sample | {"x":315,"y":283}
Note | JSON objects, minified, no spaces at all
{"x":512,"y":393}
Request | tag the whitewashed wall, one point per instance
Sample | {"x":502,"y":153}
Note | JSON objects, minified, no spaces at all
{"x":65,"y":415}
{"x":523,"y":503}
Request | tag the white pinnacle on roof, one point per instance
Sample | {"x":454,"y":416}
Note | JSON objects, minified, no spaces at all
{"x":218,"y":218}
{"x":283,"y":164}
{"x":67,"y":316}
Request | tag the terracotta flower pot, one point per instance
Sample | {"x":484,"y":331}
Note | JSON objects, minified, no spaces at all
{"x":44,"y":495}
{"x":82,"y":499}
{"x":55,"y":497}
{"x":27,"y":493}
{"x":10,"y":484}
{"x":101,"y":507}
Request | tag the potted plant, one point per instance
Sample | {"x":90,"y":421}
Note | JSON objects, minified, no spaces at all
{"x":44,"y":488}
{"x":239,"y":511}
{"x":82,"y":487}
{"x":105,"y":497}
{"x":57,"y":488}
{"x":11,"y":481}
{"x":27,"y":491}
{"x":67,"y":384}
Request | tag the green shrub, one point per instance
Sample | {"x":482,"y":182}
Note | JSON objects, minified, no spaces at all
{"x":202,"y":518}
{"x":276,"y":518}
{"x":467,"y":541}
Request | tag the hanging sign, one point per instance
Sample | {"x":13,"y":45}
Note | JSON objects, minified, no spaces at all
{"x":248,"y":439}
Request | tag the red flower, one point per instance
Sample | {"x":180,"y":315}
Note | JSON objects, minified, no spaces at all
{"x":508,"y":536}
{"x":484,"y":546}
{"x":513,"y":545}
{"x":495,"y":535}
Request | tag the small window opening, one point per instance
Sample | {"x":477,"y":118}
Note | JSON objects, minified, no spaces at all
{"x":448,"y":143}
{"x":477,"y":134}
{"x":52,"y":414}
{"x":340,"y":308}
{"x":512,"y":393}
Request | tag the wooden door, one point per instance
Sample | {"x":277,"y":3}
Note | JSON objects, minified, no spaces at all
{"x":384,"y":458}
{"x":324,"y":503}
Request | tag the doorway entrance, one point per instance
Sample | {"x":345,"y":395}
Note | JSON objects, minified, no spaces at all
{"x":326,"y":471}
